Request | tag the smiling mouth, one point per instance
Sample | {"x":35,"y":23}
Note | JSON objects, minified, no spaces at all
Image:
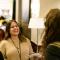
{"x":16,"y":31}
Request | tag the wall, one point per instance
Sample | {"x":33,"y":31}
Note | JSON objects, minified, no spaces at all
{"x":46,"y":5}
{"x":6,"y":9}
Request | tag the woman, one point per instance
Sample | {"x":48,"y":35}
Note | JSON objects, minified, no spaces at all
{"x":16,"y":46}
{"x":51,"y":42}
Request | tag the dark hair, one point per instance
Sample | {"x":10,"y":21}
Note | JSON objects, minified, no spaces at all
{"x":2,"y":34}
{"x":52,"y":24}
{"x":4,"y":23}
{"x":2,"y":17}
{"x":8,"y":29}
{"x":52,"y":28}
{"x":20,"y":35}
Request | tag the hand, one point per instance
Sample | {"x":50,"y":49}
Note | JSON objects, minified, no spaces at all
{"x":36,"y":56}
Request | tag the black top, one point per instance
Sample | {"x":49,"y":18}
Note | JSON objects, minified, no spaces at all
{"x":1,"y":56}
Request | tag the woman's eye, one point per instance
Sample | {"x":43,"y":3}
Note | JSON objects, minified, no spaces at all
{"x":13,"y":26}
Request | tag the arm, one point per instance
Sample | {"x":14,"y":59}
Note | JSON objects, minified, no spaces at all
{"x":30,"y":47}
{"x":2,"y":48}
{"x":32,"y":54}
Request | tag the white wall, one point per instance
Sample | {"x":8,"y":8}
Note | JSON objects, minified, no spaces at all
{"x":6,"y":5}
{"x":46,"y":5}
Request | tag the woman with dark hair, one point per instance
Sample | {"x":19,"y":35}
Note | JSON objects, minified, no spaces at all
{"x":16,"y":46}
{"x":51,"y":41}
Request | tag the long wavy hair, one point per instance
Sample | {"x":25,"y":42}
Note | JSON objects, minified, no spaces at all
{"x":21,"y":37}
{"x":52,"y":27}
{"x":8,"y":28}
{"x":52,"y":24}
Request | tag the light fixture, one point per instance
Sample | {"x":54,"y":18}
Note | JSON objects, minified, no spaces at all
{"x":36,"y":23}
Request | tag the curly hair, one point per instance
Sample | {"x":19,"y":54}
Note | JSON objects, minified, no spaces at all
{"x":8,"y":28}
{"x":20,"y":35}
{"x":52,"y":27}
{"x":52,"y":24}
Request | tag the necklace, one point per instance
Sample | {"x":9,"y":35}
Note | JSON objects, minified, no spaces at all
{"x":17,"y":48}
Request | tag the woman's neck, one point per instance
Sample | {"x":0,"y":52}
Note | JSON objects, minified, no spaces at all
{"x":15,"y":41}
{"x":14,"y":38}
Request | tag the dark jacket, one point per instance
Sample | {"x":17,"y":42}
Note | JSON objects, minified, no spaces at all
{"x":1,"y":56}
{"x":52,"y":52}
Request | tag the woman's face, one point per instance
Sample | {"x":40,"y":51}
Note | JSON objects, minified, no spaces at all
{"x":14,"y":29}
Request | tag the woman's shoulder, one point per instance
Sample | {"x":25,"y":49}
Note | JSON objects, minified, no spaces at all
{"x":24,"y":39}
{"x":28,"y":40}
{"x":3,"y":42}
{"x":57,"y":44}
{"x":53,"y":49}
